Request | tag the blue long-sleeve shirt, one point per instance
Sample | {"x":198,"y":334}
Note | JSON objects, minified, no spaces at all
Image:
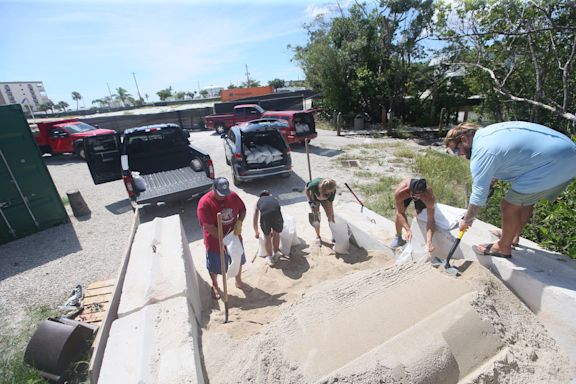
{"x":532,"y":157}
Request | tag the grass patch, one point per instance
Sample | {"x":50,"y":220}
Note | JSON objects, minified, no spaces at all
{"x":364,"y":174}
{"x":447,"y":175}
{"x":396,"y":160}
{"x":381,"y":195}
{"x":65,"y":200}
{"x":405,"y":153}
{"x":12,"y":347}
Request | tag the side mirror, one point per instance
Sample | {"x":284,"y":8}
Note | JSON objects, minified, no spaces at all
{"x":186,"y":132}
{"x":223,"y":136}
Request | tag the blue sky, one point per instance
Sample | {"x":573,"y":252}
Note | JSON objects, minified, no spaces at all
{"x":84,"y":45}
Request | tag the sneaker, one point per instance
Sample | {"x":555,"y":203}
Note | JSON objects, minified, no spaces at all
{"x":270,"y":261}
{"x":397,"y":242}
{"x":276,"y":256}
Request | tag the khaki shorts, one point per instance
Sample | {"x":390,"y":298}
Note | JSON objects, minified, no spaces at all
{"x":523,"y":199}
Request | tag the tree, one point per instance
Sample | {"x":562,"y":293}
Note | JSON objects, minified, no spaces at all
{"x":191,"y":94}
{"x":277,"y":83}
{"x":250,"y":83}
{"x":165,"y":93}
{"x":362,"y":61}
{"x":232,"y":86}
{"x":62,"y":105}
{"x":204,"y":93}
{"x":43,"y":107}
{"x":50,"y":105}
{"x":519,"y":52}
{"x":180,"y":95}
{"x":76,"y":96}
{"x":123,"y":95}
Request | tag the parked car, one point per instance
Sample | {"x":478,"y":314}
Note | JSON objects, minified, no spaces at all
{"x":256,"y":150}
{"x":66,"y":136}
{"x":242,"y":113}
{"x":158,"y":157}
{"x":301,"y":125}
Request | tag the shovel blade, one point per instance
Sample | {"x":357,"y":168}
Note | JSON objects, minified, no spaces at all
{"x":437,"y":262}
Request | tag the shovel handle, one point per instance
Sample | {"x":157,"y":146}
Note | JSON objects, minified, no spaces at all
{"x":351,"y":191}
{"x":222,"y":265}
{"x":454,"y":246}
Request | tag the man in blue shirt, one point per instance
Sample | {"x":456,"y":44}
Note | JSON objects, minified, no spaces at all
{"x":538,"y":161}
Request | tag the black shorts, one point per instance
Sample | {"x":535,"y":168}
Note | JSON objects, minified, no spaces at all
{"x":418,"y":204}
{"x":275,"y":222}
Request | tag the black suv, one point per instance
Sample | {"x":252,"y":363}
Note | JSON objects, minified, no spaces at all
{"x":257,"y":149}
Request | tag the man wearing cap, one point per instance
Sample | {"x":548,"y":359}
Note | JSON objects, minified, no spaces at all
{"x":536,"y":160}
{"x":418,"y":191}
{"x":228,"y":203}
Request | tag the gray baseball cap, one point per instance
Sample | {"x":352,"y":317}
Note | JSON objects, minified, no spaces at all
{"x":222,"y":186}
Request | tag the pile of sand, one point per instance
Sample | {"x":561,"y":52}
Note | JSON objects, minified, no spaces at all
{"x":387,"y":324}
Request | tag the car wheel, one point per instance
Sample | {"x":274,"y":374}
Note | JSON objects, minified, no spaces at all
{"x":80,"y":152}
{"x":220,"y":128}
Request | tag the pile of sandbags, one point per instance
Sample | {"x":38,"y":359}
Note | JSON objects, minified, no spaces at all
{"x":257,"y":154}
{"x":302,"y":128}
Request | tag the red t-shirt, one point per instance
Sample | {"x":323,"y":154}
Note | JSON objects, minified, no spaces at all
{"x":208,"y":207}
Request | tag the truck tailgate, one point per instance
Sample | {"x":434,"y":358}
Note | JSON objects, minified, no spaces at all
{"x":177,"y":184}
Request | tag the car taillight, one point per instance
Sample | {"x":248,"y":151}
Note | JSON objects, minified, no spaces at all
{"x":128,"y":183}
{"x":210,"y":169}
{"x":238,"y":156}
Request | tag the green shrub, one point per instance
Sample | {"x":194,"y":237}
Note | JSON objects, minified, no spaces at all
{"x":553,"y":225}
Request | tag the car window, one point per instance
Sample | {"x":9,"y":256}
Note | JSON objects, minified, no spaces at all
{"x":231,"y":136}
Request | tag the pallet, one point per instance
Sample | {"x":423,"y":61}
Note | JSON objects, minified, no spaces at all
{"x":97,"y":301}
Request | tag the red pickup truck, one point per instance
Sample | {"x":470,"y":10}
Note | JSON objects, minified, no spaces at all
{"x":242,"y":113}
{"x":300,"y":124}
{"x":65,"y":136}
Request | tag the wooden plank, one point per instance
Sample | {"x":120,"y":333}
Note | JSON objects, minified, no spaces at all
{"x":97,"y":299}
{"x":92,"y":318}
{"x":100,"y":284}
{"x":99,"y":291}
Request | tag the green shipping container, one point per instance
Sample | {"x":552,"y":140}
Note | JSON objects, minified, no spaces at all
{"x":29,"y":201}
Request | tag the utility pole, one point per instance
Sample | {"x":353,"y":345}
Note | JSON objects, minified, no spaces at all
{"x":111,"y":97}
{"x":137,"y":89}
{"x":247,"y":75}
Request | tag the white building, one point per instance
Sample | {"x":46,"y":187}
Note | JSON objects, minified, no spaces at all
{"x":31,"y":94}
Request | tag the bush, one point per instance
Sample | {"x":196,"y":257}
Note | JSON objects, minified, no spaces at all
{"x":553,"y":225}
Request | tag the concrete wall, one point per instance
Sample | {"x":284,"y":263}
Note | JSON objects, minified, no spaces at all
{"x":155,"y":337}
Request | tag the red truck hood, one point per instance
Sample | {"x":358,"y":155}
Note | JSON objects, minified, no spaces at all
{"x":94,"y":132}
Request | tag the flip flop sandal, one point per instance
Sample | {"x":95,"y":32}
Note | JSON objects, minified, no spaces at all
{"x":488,"y":251}
{"x":498,"y":233}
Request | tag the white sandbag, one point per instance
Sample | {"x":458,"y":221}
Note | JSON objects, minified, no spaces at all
{"x":262,"y":246}
{"x":288,"y":236}
{"x":235,"y":250}
{"x":445,"y":216}
{"x":139,"y":181}
{"x":341,"y":235}
{"x":412,"y":253}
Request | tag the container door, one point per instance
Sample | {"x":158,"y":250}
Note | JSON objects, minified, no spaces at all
{"x":103,"y":157}
{"x":29,"y":201}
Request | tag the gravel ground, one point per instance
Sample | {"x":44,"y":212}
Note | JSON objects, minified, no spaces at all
{"x":42,"y":269}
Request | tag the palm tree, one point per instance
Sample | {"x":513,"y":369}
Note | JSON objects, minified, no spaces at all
{"x":76,"y":96}
{"x":122,"y":95}
{"x":50,"y":105}
{"x":62,"y":105}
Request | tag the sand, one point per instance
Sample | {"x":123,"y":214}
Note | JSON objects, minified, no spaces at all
{"x":365,"y":320}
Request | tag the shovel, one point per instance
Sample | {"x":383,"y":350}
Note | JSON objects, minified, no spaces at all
{"x":436,"y":262}
{"x":223,"y":266}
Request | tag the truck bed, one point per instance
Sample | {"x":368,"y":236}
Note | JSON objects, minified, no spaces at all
{"x":175,"y":184}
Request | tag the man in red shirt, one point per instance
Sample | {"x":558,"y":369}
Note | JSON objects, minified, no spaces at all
{"x":221,"y":199}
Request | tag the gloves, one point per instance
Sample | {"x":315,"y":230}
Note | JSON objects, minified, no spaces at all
{"x":238,"y":228}
{"x":313,"y":204}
